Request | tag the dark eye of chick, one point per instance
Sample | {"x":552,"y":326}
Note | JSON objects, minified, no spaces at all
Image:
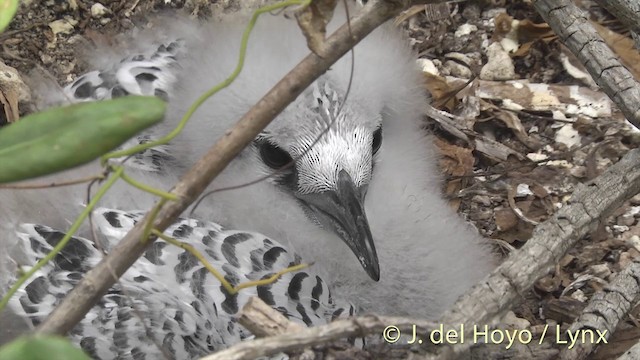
{"x":377,"y":140}
{"x":273,"y":156}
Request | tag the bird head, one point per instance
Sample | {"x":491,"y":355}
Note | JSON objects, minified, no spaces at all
{"x":334,"y":143}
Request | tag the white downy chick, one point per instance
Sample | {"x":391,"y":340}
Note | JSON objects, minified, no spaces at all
{"x":369,"y":188}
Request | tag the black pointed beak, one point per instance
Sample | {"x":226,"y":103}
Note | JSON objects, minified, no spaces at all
{"x":342,"y":211}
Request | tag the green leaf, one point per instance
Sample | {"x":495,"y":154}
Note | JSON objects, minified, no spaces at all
{"x":65,"y":137}
{"x":8,"y":10}
{"x":41,"y":348}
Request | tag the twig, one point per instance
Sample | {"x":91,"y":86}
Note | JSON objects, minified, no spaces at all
{"x":213,"y":271}
{"x":53,"y":184}
{"x":354,"y":327}
{"x":263,"y":320}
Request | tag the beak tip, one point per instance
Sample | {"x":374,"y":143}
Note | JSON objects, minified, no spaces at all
{"x":374,"y":273}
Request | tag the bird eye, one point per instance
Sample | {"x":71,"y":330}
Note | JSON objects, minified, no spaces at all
{"x":273,"y":156}
{"x":377,"y":140}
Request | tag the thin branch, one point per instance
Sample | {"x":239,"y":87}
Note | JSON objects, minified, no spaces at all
{"x":22,"y":186}
{"x":353,"y":327}
{"x":97,"y":281}
{"x":213,"y":271}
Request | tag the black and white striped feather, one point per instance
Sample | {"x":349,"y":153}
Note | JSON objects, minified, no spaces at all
{"x":150,"y":74}
{"x":186,"y":309}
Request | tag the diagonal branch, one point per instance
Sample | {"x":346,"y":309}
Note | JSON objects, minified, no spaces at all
{"x":605,"y":311}
{"x":573,"y":27}
{"x":97,"y":281}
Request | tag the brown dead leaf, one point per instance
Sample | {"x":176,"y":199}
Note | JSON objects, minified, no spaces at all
{"x":442,"y":92}
{"x":511,"y":226}
{"x":512,"y":121}
{"x":9,"y":112}
{"x":566,"y":260}
{"x":410,"y":12}
{"x":313,"y":20}
{"x":523,"y":50}
{"x":548,"y":284}
{"x":619,"y":342}
{"x":524,"y":205}
{"x":505,"y":219}
{"x":591,"y":254}
{"x":538,"y":190}
{"x":528,"y":31}
{"x":535,"y":209}
{"x":623,"y":46}
{"x":12,"y":90}
{"x":504,"y":25}
{"x":455,"y":161}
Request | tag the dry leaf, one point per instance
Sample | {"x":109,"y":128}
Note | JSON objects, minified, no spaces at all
{"x":504,"y":25}
{"x":313,"y":20}
{"x":455,"y":161}
{"x":410,"y":12}
{"x":442,"y":93}
{"x":9,"y":112}
{"x":12,"y":90}
{"x":567,"y":99}
{"x":505,"y":219}
{"x":512,"y":122}
{"x":623,"y":46}
{"x":528,"y":31}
